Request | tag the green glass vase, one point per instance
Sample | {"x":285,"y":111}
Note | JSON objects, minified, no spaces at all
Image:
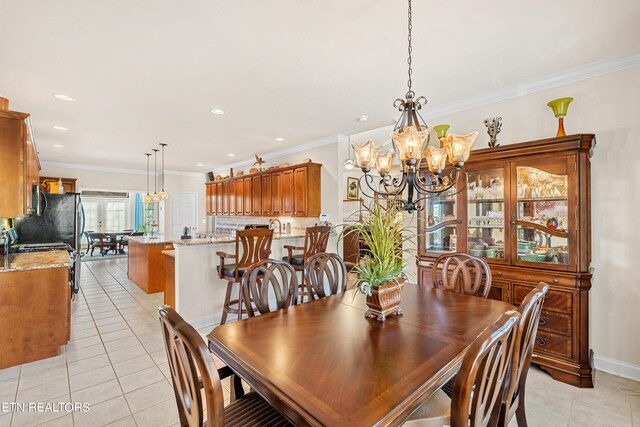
{"x":560,"y":107}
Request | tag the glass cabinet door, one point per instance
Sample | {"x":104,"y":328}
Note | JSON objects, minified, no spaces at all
{"x":441,"y":223}
{"x":486,"y":230}
{"x":543,"y":222}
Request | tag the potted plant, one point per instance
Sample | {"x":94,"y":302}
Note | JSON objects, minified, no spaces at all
{"x":381,"y":272}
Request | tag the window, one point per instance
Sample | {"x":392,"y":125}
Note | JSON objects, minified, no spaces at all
{"x":116,"y":216}
{"x":91,"y":221}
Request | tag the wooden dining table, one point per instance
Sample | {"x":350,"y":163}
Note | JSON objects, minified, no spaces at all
{"x":324,"y":363}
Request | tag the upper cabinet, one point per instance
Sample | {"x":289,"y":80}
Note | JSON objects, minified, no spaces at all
{"x":19,"y":164}
{"x":290,"y":191}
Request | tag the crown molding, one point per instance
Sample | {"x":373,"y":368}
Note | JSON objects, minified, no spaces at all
{"x":114,"y":170}
{"x":332,"y":139}
{"x":571,"y":75}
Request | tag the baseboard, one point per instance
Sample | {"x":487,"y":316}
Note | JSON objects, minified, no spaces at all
{"x":616,"y":367}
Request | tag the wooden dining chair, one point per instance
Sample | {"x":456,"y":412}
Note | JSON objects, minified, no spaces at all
{"x":123,"y":241}
{"x":101,"y":241}
{"x":193,"y":369}
{"x":480,"y":383}
{"x":461,"y":273}
{"x":514,"y":402}
{"x":265,"y":277}
{"x":326,"y":274}
{"x":315,"y":242}
{"x":252,"y":246}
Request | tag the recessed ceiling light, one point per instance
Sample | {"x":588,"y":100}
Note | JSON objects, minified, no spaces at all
{"x":231,"y":155}
{"x":217,"y":111}
{"x":279,"y":139}
{"x":363,"y":118}
{"x":58,"y":146}
{"x":64,"y":97}
{"x":199,"y":164}
{"x":59,"y":128}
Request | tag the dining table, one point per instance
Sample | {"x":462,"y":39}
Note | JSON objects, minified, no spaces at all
{"x":323,"y":363}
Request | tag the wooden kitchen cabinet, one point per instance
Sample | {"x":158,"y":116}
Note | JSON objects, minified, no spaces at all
{"x":146,"y":264}
{"x":288,"y":191}
{"x":266,"y":195}
{"x":19,"y":165}
{"x":256,"y":195}
{"x":526,"y":212}
{"x":276,"y":193}
{"x":209,"y":199}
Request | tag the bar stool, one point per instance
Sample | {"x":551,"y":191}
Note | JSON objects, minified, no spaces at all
{"x":256,"y":246}
{"x":315,"y":242}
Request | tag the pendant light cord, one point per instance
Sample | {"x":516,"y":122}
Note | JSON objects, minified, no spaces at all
{"x":155,"y":171}
{"x":147,"y":154}
{"x":410,"y":93}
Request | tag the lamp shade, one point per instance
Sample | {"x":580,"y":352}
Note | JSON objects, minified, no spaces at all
{"x":411,"y":142}
{"x":383,"y":164}
{"x":459,"y":147}
{"x":366,"y":154}
{"x":436,"y":158}
{"x":163,"y":195}
{"x":441,"y":130}
{"x":147,"y":198}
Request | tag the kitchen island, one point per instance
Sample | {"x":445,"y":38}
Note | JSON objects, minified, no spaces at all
{"x":35,"y":306}
{"x":146,"y":262}
{"x":199,"y":292}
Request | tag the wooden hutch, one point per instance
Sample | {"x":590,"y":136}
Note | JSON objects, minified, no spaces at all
{"x":526,"y":210}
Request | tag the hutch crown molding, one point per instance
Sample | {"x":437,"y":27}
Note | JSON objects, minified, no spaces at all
{"x":526,"y":209}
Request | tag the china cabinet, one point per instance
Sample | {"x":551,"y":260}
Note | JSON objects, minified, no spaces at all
{"x":287,"y":191}
{"x":525,"y":209}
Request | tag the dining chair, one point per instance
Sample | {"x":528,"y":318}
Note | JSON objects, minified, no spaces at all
{"x":462,"y":273}
{"x":263,"y":277}
{"x":326,"y":275}
{"x":480,"y":383}
{"x":513,"y":402}
{"x":193,"y":369}
{"x":252,"y":246}
{"x":124,"y":240}
{"x":101,"y":241}
{"x":315,"y":241}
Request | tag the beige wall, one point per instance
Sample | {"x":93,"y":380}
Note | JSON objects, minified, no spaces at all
{"x":609,"y":106}
{"x":91,"y":179}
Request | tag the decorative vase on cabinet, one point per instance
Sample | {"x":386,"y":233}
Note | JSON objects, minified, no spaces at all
{"x":526,"y":211}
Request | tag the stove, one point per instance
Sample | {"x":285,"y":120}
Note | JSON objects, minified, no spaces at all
{"x":42,"y":247}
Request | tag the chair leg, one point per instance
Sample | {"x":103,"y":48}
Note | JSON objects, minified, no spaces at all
{"x":225,"y":307}
{"x":521,"y":415}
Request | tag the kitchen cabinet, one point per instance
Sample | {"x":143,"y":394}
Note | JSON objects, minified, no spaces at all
{"x":266,"y":195}
{"x":19,"y":164}
{"x":288,"y":191}
{"x":276,"y":193}
{"x":256,"y":195}
{"x":48,"y":183}
{"x":146,"y":264}
{"x":526,"y":211}
{"x":209,"y":198}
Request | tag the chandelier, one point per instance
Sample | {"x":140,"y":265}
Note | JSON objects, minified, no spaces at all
{"x":410,"y":139}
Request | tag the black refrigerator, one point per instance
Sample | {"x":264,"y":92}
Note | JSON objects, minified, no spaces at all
{"x":60,"y":224}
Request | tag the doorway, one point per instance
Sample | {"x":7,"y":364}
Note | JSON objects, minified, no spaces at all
{"x":184,"y":212}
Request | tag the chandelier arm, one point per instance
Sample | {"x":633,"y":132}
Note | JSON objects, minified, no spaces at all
{"x":437,"y":184}
{"x":387,"y":181}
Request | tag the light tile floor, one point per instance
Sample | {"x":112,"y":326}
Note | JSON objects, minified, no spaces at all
{"x":115,"y":361}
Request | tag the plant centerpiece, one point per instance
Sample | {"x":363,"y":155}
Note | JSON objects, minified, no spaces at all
{"x":381,"y":272}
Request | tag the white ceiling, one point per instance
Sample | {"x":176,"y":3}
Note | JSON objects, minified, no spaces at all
{"x":145,"y":71}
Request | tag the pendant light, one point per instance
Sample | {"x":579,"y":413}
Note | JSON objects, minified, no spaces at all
{"x":147,"y":198}
{"x":155,"y":196}
{"x":349,"y":163}
{"x":410,"y":138}
{"x":163,"y":195}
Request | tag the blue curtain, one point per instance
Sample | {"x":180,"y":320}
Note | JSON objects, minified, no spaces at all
{"x":138,"y":212}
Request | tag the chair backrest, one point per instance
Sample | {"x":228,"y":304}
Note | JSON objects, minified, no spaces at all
{"x":461,"y":273}
{"x":326,"y":275}
{"x":256,"y":247}
{"x":530,"y":311}
{"x":265,"y":275}
{"x":480,"y":383}
{"x":137,"y":233}
{"x":97,"y":236}
{"x":88,"y":235}
{"x":189,"y":356}
{"x":315,"y":240}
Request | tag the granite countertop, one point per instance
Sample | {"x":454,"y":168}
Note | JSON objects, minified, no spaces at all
{"x":151,"y":240}
{"x":171,"y":253}
{"x":226,"y":239}
{"x":35,"y":260}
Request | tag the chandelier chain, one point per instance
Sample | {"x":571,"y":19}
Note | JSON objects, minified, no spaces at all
{"x":410,"y":93}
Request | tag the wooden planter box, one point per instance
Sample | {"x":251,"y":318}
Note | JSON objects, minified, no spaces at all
{"x":385,"y":300}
